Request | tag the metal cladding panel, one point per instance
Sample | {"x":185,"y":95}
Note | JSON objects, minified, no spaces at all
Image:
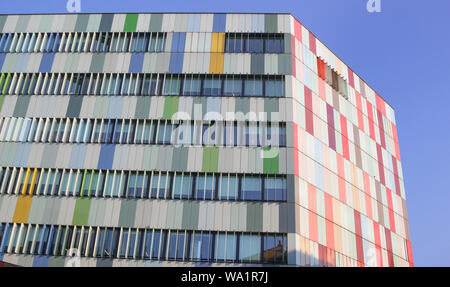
{"x":346,"y":196}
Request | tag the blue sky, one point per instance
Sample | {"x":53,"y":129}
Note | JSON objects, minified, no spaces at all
{"x":402,"y":52}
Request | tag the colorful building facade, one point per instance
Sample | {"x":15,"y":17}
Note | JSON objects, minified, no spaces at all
{"x":192,"y":140}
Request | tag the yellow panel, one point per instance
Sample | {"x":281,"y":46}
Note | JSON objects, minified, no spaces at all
{"x":216,"y":63}
{"x":33,"y":179}
{"x":25,"y":183}
{"x":214,"y":43}
{"x":22,"y":209}
{"x":220,"y":42}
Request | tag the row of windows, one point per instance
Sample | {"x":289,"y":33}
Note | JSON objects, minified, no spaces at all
{"x":325,"y":72}
{"x":142,"y":84}
{"x":254,"y":43}
{"x":141,"y":184}
{"x":94,"y":42}
{"x":147,"y":244}
{"x":131,"y":131}
{"x":82,"y":42}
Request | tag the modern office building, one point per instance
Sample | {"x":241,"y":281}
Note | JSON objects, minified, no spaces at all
{"x":168,"y":139}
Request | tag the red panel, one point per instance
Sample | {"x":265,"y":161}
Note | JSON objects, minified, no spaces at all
{"x":312,"y":226}
{"x":381,"y":129}
{"x":368,"y":206}
{"x":322,"y":92}
{"x":394,"y":132}
{"x":379,"y":256}
{"x":357,"y":223}
{"x":380,"y":164}
{"x":298,"y":30}
{"x":389,"y":247}
{"x":294,"y":70}
{"x":359,"y":110}
{"x":410,"y":255}
{"x":330,"y":233}
{"x":345,"y":148}
{"x":396,"y":178}
{"x":370,"y":116}
{"x":312,"y":200}
{"x":359,"y":249}
{"x":351,"y":80}
{"x":328,"y":207}
{"x":331,"y":134}
{"x":312,"y":43}
{"x":296,"y":162}
{"x":391,"y":209}
{"x":341,"y":176}
{"x":381,"y":105}
{"x":321,"y":68}
{"x":309,"y":111}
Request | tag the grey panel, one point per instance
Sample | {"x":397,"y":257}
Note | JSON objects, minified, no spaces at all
{"x":142,"y":108}
{"x":2,"y":21}
{"x":97,"y":63}
{"x":82,"y":21}
{"x":257,"y":64}
{"x":22,"y":23}
{"x":74,"y":107}
{"x":155,"y":23}
{"x":127,"y":212}
{"x":106,"y":22}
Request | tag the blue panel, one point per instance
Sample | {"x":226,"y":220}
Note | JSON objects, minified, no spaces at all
{"x":219,"y":23}
{"x":176,"y":62}
{"x":41,"y":261}
{"x":2,"y":59}
{"x":178,"y":42}
{"x":106,"y":156}
{"x":21,"y":64}
{"x":77,"y":156}
{"x":137,"y":59}
{"x":115,"y":107}
{"x":46,"y":62}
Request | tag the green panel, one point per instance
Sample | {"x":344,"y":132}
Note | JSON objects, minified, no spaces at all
{"x":83,"y":183}
{"x":271,"y":23}
{"x":90,"y":183}
{"x":21,"y":107}
{"x":155,"y":23}
{"x":254,"y":217}
{"x":271,"y":163}
{"x":210,"y":159}
{"x":130,"y":23}
{"x":97,"y":63}
{"x":127,"y":213}
{"x":287,"y":43}
{"x":142,"y":108}
{"x":46,"y":23}
{"x":81,"y":212}
{"x":170,"y":107}
{"x":6,"y":86}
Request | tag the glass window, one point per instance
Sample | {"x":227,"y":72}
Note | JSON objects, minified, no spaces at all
{"x":192,"y":86}
{"x":200,"y":187}
{"x":251,"y":188}
{"x":212,"y":87}
{"x":123,"y":243}
{"x":249,"y":248}
{"x":201,"y":246}
{"x":232,"y":87}
{"x":254,"y":44}
{"x":233,"y":187}
{"x":253,"y":88}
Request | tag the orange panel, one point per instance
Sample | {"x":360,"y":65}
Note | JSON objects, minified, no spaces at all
{"x":22,"y":209}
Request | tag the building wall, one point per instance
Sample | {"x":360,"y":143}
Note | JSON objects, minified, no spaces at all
{"x":345,"y":202}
